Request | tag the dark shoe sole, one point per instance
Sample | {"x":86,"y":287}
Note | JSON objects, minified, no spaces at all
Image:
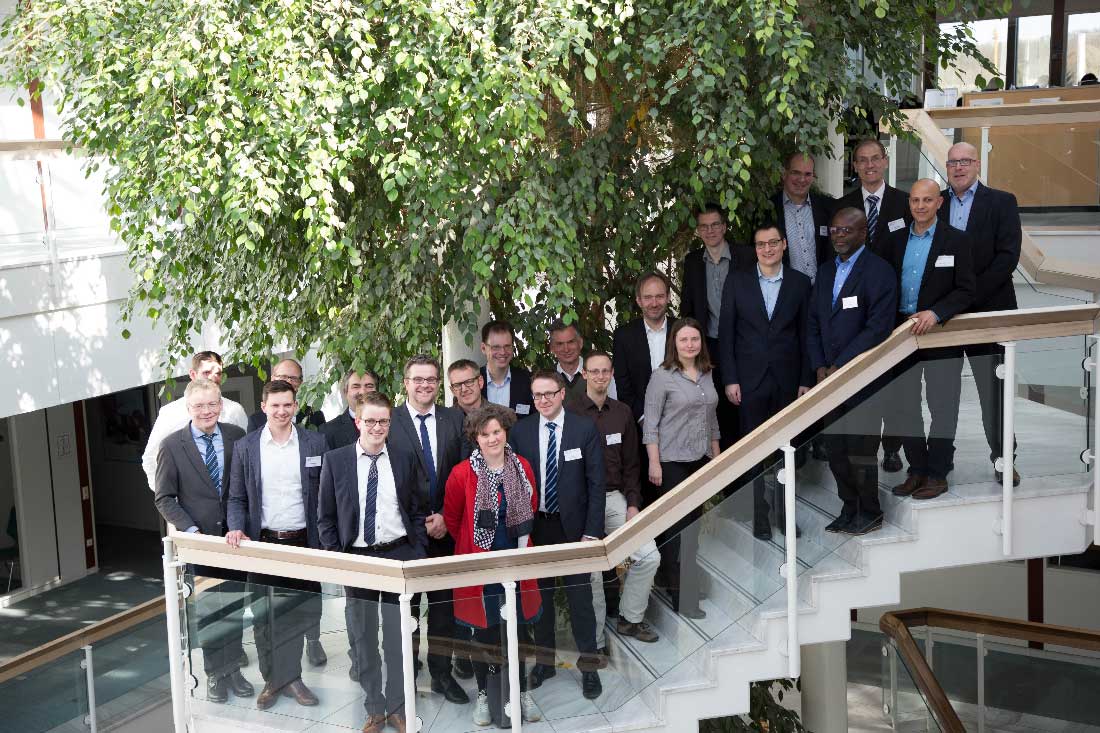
{"x":863,"y":529}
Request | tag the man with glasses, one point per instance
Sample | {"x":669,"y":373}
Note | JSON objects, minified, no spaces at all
{"x":566,"y":344}
{"x":341,"y":430}
{"x":992,"y":219}
{"x":466,"y":385}
{"x":804,"y":215}
{"x":289,"y":371}
{"x":433,"y":434}
{"x":505,"y":384}
{"x":762,"y":347}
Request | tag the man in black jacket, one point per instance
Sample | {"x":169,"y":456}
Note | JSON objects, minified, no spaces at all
{"x":341,"y":430}
{"x":936,"y":282}
{"x":804,"y":216}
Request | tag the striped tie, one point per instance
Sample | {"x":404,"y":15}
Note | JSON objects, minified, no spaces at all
{"x":372,"y":499}
{"x":872,"y":218}
{"x":211,"y":459}
{"x":552,"y":469}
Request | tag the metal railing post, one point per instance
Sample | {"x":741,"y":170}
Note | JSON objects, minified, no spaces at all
{"x":789,"y":571}
{"x":1092,"y":363}
{"x":891,"y":151}
{"x":929,"y":644}
{"x":511,"y":627}
{"x":89,"y":677}
{"x":408,"y":628}
{"x":1008,"y":375}
{"x":981,"y":682}
{"x":892,"y":656}
{"x":175,"y":634}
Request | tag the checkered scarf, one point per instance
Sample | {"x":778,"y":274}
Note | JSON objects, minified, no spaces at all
{"x":518,"y":516}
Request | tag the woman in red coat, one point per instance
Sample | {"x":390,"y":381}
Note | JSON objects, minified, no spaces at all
{"x":490,"y":504}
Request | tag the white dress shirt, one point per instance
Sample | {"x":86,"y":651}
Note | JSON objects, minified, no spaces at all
{"x":656,"y":339}
{"x":880,"y":193}
{"x":388,"y":525}
{"x":544,"y":438}
{"x":282,"y":507}
{"x":433,"y":432}
{"x":173,"y":417}
{"x":499,"y":394}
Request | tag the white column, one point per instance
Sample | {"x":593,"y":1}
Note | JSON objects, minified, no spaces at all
{"x":830,"y":170}
{"x":825,"y":687}
{"x":455,"y":346}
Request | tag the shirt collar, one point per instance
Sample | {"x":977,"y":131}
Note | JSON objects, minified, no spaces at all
{"x":725,"y":255}
{"x":571,"y":376}
{"x":196,"y":433}
{"x":851,"y":260}
{"x":787,"y":200}
{"x":880,"y":192}
{"x":267,"y":437}
{"x":413,"y":413}
{"x":662,"y":329}
{"x":931,"y":231}
{"x":507,"y":377}
{"x":359,"y":451}
{"x":777,"y":278}
{"x":559,"y":420}
{"x":968,"y":193}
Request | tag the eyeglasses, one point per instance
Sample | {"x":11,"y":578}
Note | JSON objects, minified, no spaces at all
{"x":866,"y":161}
{"x":464,"y":385}
{"x":372,"y":424}
{"x":599,"y":372}
{"x":201,"y":407}
{"x":506,"y":349}
{"x":287,"y":378}
{"x":710,"y":227}
{"x":841,"y":230}
{"x":960,"y":162}
{"x":798,"y":174}
{"x":422,"y":381}
{"x":540,"y":396}
{"x":770,"y":244}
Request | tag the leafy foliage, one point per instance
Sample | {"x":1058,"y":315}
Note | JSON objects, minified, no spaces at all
{"x":766,"y":712}
{"x":352,"y":175}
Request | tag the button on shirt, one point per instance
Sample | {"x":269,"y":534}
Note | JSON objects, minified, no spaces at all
{"x":843,"y":270}
{"x":219,"y":447}
{"x":716,"y":280}
{"x":961,"y":205}
{"x":283,"y":507}
{"x":769,"y":288}
{"x":620,"y":456}
{"x":499,"y":394}
{"x":680,"y":416}
{"x":388,"y":525}
{"x":912,"y":267}
{"x":656,"y":339}
{"x":432,"y":425}
{"x":799,"y":221}
{"x":544,"y":436}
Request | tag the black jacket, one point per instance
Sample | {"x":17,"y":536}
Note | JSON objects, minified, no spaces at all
{"x":994,"y":229}
{"x":630,"y":348}
{"x":893,"y":213}
{"x":693,"y":287}
{"x":519,"y":390}
{"x":947,"y":285}
{"x":340,"y":431}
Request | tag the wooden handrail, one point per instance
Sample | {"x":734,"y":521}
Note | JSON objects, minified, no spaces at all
{"x":934,"y":696}
{"x":584,"y":557}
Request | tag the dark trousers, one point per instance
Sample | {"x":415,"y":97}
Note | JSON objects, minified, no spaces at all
{"x":679,"y":544}
{"x":492,"y":654}
{"x":283,"y":609}
{"x":941,"y":370}
{"x":578,"y":592}
{"x":984,"y":360}
{"x":216,"y":620}
{"x":852,"y":440}
{"x":729,"y":422}
{"x":441,"y":619}
{"x":758,"y":405}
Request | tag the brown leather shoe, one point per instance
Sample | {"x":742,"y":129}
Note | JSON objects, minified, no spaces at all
{"x":913,"y":482}
{"x":932,"y":488}
{"x":301,"y":694}
{"x":397,"y":720}
{"x":267,"y":697}
{"x":375,"y":723}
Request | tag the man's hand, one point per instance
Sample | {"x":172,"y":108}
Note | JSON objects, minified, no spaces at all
{"x":822,"y":373}
{"x":830,"y":370}
{"x":631,"y":512}
{"x":437,"y":530}
{"x":655,"y":473}
{"x":589,"y":538}
{"x":233,"y":538}
{"x":922,"y":322}
{"x":803,"y":390}
{"x":733,"y":393}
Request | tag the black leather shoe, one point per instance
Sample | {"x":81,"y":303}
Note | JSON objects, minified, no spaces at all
{"x":353,"y":672}
{"x":591,"y":685}
{"x":539,"y":673}
{"x":781,"y":523}
{"x":863,"y":523}
{"x":464,"y":668}
{"x":762,"y":532}
{"x":315,"y":653}
{"x":840,"y":523}
{"x":244,"y":661}
{"x":239,"y":685}
{"x":891,"y":462}
{"x":450,"y":689}
{"x":216,"y":689}
{"x":818,"y":452}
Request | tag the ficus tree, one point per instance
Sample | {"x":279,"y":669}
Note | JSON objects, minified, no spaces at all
{"x":349,"y":176}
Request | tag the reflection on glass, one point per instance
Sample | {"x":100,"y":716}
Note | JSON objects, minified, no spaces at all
{"x":1033,"y":51}
{"x":991,"y":38}
{"x":1082,"y":46}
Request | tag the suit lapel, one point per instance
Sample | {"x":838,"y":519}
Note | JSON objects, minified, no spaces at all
{"x":406,"y":423}
{"x":781,"y":299}
{"x":934,"y":251}
{"x":977,"y":210}
{"x":851,"y":283}
{"x":302,"y":450}
{"x":198,"y":461}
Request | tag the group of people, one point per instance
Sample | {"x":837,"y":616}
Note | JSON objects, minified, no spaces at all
{"x":571,"y":454}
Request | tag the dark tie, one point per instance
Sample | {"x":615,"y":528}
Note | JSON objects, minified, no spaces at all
{"x":426,"y":448}
{"x":371,"y":503}
{"x":552,"y":469}
{"x":872,"y":218}
{"x":211,"y":459}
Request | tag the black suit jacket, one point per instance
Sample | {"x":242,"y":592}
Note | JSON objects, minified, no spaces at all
{"x":185,"y":494}
{"x":893,"y":207}
{"x":338,"y":520}
{"x":750,"y":345}
{"x":405,"y":436}
{"x":519,"y":390}
{"x":243,"y":510}
{"x":340,"y":431}
{"x":822,"y":207}
{"x":947,"y":285}
{"x":581,"y":496}
{"x":630,"y":348}
{"x":994,"y":229}
{"x":693,"y":287}
{"x":305,"y":416}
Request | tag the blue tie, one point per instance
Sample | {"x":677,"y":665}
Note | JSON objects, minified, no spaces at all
{"x":211,"y":459}
{"x":426,"y":448}
{"x":872,"y":218}
{"x":372,"y":499}
{"x":552,"y":469}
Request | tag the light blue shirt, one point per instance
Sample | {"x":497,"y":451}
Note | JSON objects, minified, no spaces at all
{"x":843,"y":270}
{"x":219,"y":448}
{"x":499,"y":394}
{"x":912,"y":267}
{"x":769,"y":288}
{"x":961,"y":205}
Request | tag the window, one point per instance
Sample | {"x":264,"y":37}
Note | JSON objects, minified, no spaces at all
{"x":991,"y":38}
{"x":1082,"y":46}
{"x":1033,"y":51}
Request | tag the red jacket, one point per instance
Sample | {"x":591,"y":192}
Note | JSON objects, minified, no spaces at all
{"x":458,"y":515}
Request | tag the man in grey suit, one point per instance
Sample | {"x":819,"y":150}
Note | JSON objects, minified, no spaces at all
{"x":273,"y":486}
{"x":192,"y":464}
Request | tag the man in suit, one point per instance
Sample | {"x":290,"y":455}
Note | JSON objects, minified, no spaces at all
{"x":852,"y":309}
{"x":370,"y":505}
{"x":992,"y":219}
{"x":466,"y":386}
{"x":289,"y":371}
{"x":191,"y":469}
{"x":273,"y":487}
{"x":341,"y":430}
{"x":174,"y":416}
{"x":433,"y":434}
{"x":761,"y":340}
{"x":639,"y":345}
{"x":887,"y":211}
{"x":506,"y":384}
{"x":936,"y":277}
{"x":804,"y":216}
{"x":566,"y":344}
{"x":566,"y":453}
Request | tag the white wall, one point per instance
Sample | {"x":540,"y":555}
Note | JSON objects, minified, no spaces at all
{"x":31,"y":470}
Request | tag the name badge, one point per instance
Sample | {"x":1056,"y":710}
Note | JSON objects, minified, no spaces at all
{"x":614,"y":438}
{"x":896,"y":224}
{"x":945,"y":261}
{"x":313,"y":461}
{"x":849,"y":302}
{"x":573,"y":454}
{"x":823,"y":230}
{"x":523,"y":409}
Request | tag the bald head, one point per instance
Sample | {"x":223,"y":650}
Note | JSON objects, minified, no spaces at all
{"x":848,"y":231}
{"x":963,"y":166}
{"x":289,"y":371}
{"x":924,"y":203}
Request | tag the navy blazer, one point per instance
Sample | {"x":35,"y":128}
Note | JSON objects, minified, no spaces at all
{"x":822,"y":207}
{"x":630,"y":348}
{"x":893,"y":207}
{"x":750,"y":345}
{"x":340,"y":431}
{"x":519,"y":389}
{"x":945,"y":289}
{"x":995,"y":234}
{"x":693,"y":286}
{"x":246,"y":483}
{"x":581,"y":496}
{"x":834,"y":334}
{"x":405,"y":435}
{"x":338,"y":520}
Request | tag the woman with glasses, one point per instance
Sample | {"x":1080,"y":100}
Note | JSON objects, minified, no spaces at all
{"x":680,"y":433}
{"x":490,"y":504}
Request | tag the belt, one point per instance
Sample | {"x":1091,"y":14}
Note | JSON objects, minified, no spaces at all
{"x":382,"y":547}
{"x":282,"y":534}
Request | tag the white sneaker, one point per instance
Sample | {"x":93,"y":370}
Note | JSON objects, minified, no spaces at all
{"x":527,"y":707}
{"x":481,"y":709}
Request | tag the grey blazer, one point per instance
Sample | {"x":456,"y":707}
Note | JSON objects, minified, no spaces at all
{"x":185,"y":495}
